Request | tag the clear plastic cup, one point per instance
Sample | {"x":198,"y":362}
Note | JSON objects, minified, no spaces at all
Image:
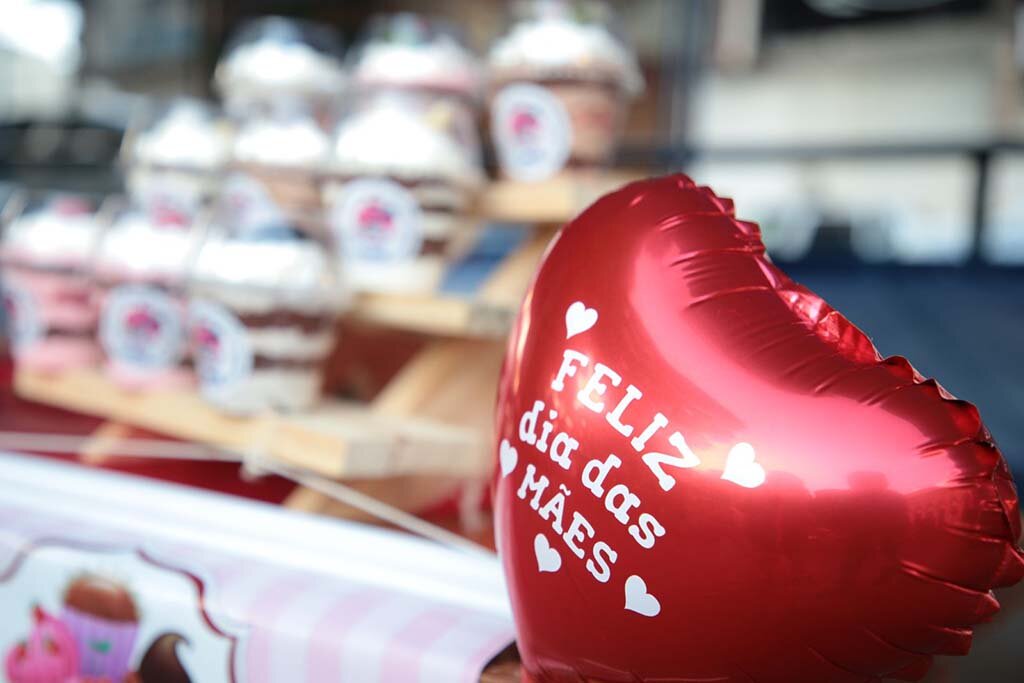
{"x":264,"y":300}
{"x":278,"y":160}
{"x":274,"y":57}
{"x":399,"y":193}
{"x":140,"y":275}
{"x":561,"y":81}
{"x":419,"y":53}
{"x":47,"y":244}
{"x":174,"y":156}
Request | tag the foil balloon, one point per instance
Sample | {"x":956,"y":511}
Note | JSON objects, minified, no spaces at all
{"x":705,"y":473}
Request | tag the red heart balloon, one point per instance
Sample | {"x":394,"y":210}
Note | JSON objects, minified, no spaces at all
{"x":707,"y":474}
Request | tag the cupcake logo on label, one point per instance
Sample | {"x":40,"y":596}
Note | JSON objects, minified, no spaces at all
{"x":21,"y":317}
{"x":79,"y":613}
{"x":220,"y":345}
{"x":532,"y":132}
{"x":248,"y":205}
{"x":142,"y":326}
{"x":376,"y":219}
{"x":171,"y":201}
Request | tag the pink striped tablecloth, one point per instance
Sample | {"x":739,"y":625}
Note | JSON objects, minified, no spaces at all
{"x":211,"y":588}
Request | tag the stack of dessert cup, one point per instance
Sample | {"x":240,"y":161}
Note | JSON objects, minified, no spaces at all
{"x":399,"y":193}
{"x":272,"y":58}
{"x":47,"y":246}
{"x":265,"y":296}
{"x":174,"y":156}
{"x":560,"y":81}
{"x":277,"y":163}
{"x":140,"y":275}
{"x":425,"y":56}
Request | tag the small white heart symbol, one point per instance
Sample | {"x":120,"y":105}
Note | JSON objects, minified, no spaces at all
{"x":508,"y":457}
{"x":579,"y":318}
{"x":639,"y":600}
{"x":740,"y":467}
{"x":548,"y":559}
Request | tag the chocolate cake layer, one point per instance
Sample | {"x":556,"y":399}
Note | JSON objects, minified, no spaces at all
{"x":407,"y":183}
{"x":58,"y":333}
{"x":16,"y":266}
{"x":308,"y":323}
{"x":609,"y":83}
{"x":260,"y":362}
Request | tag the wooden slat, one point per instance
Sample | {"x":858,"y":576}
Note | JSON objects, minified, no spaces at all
{"x":556,"y":201}
{"x":102,"y":442}
{"x":427,"y":314}
{"x":488,"y":315}
{"x":334,"y":440}
{"x":449,"y":383}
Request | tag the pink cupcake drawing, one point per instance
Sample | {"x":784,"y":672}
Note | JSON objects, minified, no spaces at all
{"x":48,"y":655}
{"x":524,"y":125}
{"x":205,"y":340}
{"x":142,"y":324}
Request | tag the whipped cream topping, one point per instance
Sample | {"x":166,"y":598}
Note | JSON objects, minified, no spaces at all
{"x":441,"y":64}
{"x":295,"y":142}
{"x":186,"y":136}
{"x":391,"y":140}
{"x":50,"y":236}
{"x":135,"y":244}
{"x":299,"y":271}
{"x":273,"y":65}
{"x":554,"y":45}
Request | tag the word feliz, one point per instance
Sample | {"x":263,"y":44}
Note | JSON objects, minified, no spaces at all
{"x":740,"y":466}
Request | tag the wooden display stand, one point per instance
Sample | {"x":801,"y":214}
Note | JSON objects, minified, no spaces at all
{"x":428,"y":433}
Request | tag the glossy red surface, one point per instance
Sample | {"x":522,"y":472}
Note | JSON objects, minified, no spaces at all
{"x":782,"y":504}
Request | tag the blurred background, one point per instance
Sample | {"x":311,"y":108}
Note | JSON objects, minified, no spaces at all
{"x":878,"y":143}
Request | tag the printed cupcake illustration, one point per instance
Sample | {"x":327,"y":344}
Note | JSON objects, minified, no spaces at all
{"x":524,"y":124}
{"x":87,"y":627}
{"x":376,"y":223}
{"x":102,"y":617}
{"x":92,"y":641}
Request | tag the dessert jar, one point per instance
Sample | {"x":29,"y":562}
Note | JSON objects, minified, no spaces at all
{"x":272,"y":58}
{"x":140,"y":271}
{"x":560,"y":84}
{"x":425,"y":56}
{"x":399,"y":193}
{"x":278,"y":161}
{"x":262,"y":318}
{"x":174,"y":160}
{"x":47,"y":244}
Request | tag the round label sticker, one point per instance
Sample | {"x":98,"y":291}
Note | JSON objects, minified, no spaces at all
{"x":532,"y":132}
{"x":248,"y":206}
{"x":220,"y":345}
{"x":142,"y":326}
{"x":376,"y":219}
{"x":20,"y":315}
